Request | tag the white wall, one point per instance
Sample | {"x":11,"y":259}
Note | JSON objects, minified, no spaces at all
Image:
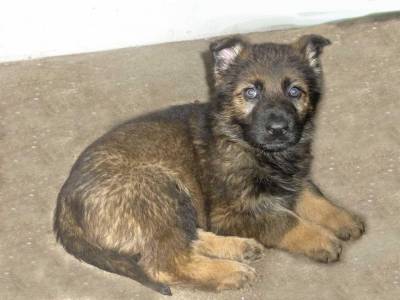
{"x":37,"y":28}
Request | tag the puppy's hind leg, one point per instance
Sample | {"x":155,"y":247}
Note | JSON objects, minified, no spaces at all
{"x":229,"y":247}
{"x":170,"y":254}
{"x":133,"y":223}
{"x":203,"y":272}
{"x":146,"y":212}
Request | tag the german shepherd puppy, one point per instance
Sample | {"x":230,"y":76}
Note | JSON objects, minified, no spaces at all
{"x":189,"y":194}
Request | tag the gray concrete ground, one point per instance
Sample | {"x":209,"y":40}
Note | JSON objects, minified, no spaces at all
{"x":52,"y":108}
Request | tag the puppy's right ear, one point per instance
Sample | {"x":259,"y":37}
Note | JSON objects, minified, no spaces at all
{"x":310,"y":46}
{"x":225,"y":52}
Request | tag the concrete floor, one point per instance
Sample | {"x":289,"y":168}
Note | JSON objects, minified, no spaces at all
{"x":52,"y":108}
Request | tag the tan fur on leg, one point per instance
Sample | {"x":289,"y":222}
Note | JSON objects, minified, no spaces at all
{"x":313,"y":241}
{"x":207,"y":273}
{"x":230,"y":247}
{"x":316,"y":208}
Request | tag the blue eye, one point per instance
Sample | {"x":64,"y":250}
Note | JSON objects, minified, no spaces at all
{"x":294,"y":92}
{"x":251,"y":93}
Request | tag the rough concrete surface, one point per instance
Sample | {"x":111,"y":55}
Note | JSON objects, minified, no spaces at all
{"x":51,"y":109}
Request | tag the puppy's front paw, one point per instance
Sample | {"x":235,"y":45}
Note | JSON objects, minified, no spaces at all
{"x":314,"y":241}
{"x":329,"y":252}
{"x":352,"y":228}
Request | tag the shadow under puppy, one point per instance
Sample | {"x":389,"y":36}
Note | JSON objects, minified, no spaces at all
{"x":182,"y":195}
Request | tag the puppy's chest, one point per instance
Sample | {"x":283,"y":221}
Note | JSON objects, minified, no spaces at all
{"x":269,"y":190}
{"x":270,"y":194}
{"x":253,"y":190}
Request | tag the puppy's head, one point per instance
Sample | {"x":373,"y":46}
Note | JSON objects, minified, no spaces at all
{"x":269,"y":90}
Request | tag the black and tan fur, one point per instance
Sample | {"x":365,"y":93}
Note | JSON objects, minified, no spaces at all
{"x":181,"y":196}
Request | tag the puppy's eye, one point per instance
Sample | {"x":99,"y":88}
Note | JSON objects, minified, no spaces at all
{"x":251,"y":93}
{"x":294,"y":92}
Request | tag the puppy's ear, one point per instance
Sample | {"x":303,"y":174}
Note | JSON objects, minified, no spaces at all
{"x":225,"y":52}
{"x":310,"y":47}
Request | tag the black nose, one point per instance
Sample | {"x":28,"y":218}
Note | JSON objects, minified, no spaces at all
{"x":277,"y":127}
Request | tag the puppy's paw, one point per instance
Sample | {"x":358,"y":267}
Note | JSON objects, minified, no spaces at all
{"x":348,"y":226}
{"x":314,"y":241}
{"x":329,"y":252}
{"x":252,"y":250}
{"x":228,"y":247}
{"x":238,"y":276}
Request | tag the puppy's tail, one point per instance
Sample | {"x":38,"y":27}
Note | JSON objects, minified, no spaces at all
{"x":106,"y":260}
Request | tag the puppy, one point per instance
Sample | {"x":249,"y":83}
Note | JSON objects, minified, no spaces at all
{"x":189,"y":194}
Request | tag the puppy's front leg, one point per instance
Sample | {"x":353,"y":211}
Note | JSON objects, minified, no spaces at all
{"x":286,"y":231}
{"x":313,"y":206}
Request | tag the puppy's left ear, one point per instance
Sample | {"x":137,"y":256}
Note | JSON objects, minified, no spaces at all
{"x":311,"y":46}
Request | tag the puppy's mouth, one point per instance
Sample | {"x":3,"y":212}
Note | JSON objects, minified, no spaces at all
{"x":260,"y":139}
{"x":276,"y":145}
